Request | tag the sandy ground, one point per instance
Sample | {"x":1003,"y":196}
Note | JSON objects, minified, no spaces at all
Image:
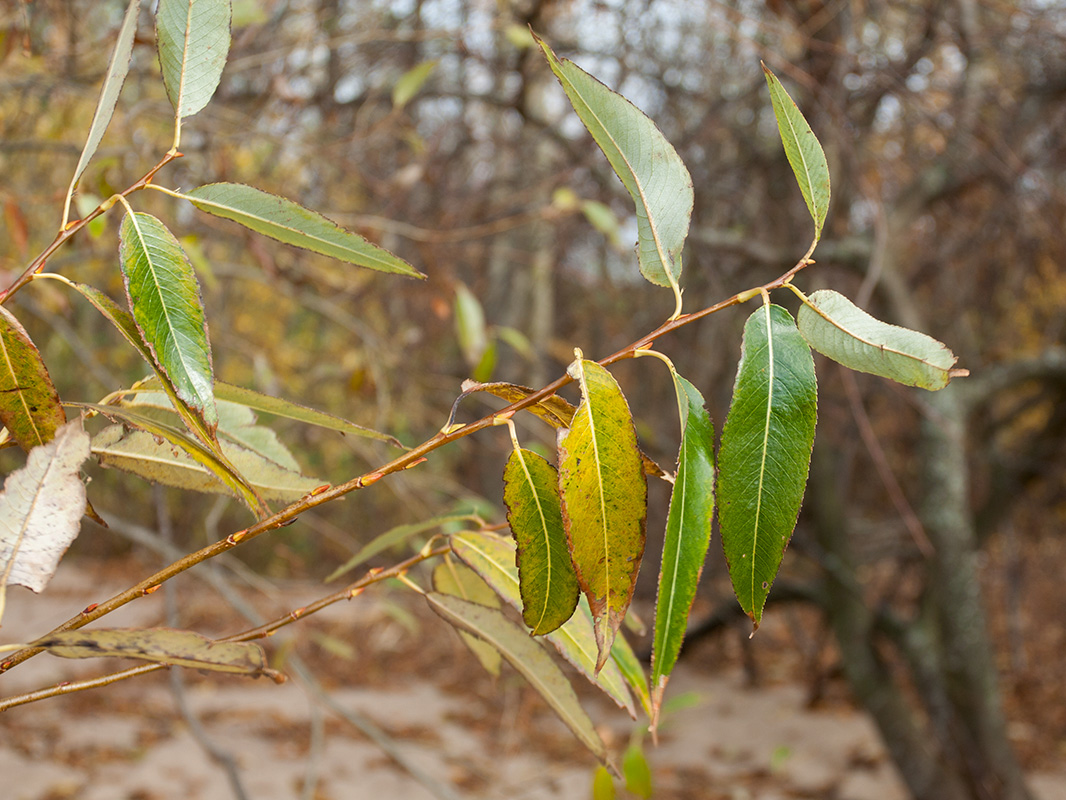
{"x":482,"y":738}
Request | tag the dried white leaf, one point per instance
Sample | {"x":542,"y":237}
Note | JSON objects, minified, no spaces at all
{"x":41,"y":508}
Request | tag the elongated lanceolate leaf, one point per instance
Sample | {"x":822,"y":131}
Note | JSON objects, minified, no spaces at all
{"x":837,"y":328}
{"x":459,"y":580}
{"x":293,"y":224}
{"x":163,"y":645}
{"x":554,"y":410}
{"x":164,"y":297}
{"x":765,"y":452}
{"x":546,"y":575}
{"x":193,"y":38}
{"x":29,"y":403}
{"x":411,"y":82}
{"x":117,"y":70}
{"x":393,"y":537}
{"x":526,"y":656}
{"x":629,"y":665}
{"x":688,"y":533}
{"x":41,"y":508}
{"x":604,"y":499}
{"x":646,"y":162}
{"x":186,"y":465}
{"x":214,"y":461}
{"x":804,"y":152}
{"x":493,"y":558}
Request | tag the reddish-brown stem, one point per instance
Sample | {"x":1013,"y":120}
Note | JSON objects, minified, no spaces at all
{"x":410,"y":458}
{"x":38,"y":264}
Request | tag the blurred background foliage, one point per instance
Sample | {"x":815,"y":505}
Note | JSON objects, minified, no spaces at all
{"x":434,"y":128}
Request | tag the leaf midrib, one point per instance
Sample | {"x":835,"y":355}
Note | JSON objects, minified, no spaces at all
{"x":19,"y":389}
{"x":544,"y":532}
{"x":765,"y":446}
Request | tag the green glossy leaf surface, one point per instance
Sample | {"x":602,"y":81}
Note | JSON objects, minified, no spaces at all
{"x":646,"y":162}
{"x":493,"y":558}
{"x":688,"y":533}
{"x":164,"y":298}
{"x":29,"y":403}
{"x":458,"y":580}
{"x":526,"y":656}
{"x":193,"y":38}
{"x":605,"y":495}
{"x":293,"y":224}
{"x":163,"y":645}
{"x":546,"y":575}
{"x":765,"y":452}
{"x":117,"y":70}
{"x":804,"y":153}
{"x":840,"y":330}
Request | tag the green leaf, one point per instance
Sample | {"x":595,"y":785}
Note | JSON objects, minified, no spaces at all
{"x":603,"y":220}
{"x":629,"y":665}
{"x":185,"y":464}
{"x":193,"y":38}
{"x":604,"y":499}
{"x":546,"y":575}
{"x":470,"y":325}
{"x":526,"y":656}
{"x":493,"y":558}
{"x":127,"y":326}
{"x":804,"y":152}
{"x":837,"y":328}
{"x":393,"y":537}
{"x":216,"y":463}
{"x":164,"y":297}
{"x":117,"y":70}
{"x":647,"y":164}
{"x":459,"y":580}
{"x":765,"y":452}
{"x":603,"y":785}
{"x":636,"y":771}
{"x":41,"y":508}
{"x":293,"y":224}
{"x":29,"y":403}
{"x":162,"y":645}
{"x":411,"y":82}
{"x":688,"y":533}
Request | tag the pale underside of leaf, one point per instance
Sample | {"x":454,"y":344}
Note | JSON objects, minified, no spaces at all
{"x":41,"y":508}
{"x":160,"y":645}
{"x":141,"y":453}
{"x":29,"y":403}
{"x":688,"y":532}
{"x":526,"y":656}
{"x":604,"y":495}
{"x":644,"y":160}
{"x":842,"y":331}
{"x":803,"y":150}
{"x":164,"y":297}
{"x":117,"y":70}
{"x":193,"y":38}
{"x":458,"y":580}
{"x":291,"y":223}
{"x":493,"y":558}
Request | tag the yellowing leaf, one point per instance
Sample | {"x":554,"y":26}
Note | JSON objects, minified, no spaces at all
{"x":411,"y":82}
{"x":29,"y":404}
{"x":604,"y":499}
{"x":547,"y":580}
